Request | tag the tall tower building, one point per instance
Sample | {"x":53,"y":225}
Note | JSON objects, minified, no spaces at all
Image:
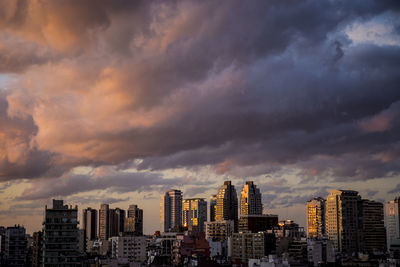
{"x":250,"y":200}
{"x":171,"y":210}
{"x":392,"y":220}
{"x":227,"y":204}
{"x":117,"y":221}
{"x":342,"y":220}
{"x":89,"y":217}
{"x":195,"y":212}
{"x":373,"y":226}
{"x":213,"y":206}
{"x":134,"y":222}
{"x":16,"y":246}
{"x":60,"y":235}
{"x":104,"y":222}
{"x":316,"y":217}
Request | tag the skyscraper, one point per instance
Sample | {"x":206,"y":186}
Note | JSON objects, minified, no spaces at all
{"x":89,"y":225}
{"x":104,"y":222}
{"x":134,"y":222}
{"x":316,"y":217}
{"x":250,"y":200}
{"x":195,"y":212}
{"x":213,"y":205}
{"x":392,"y":220}
{"x":171,"y":210}
{"x":116,"y":221}
{"x":342,"y":220}
{"x":373,"y":226}
{"x":60,"y":235}
{"x":227,"y":204}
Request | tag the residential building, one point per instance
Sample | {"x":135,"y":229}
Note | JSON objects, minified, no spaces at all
{"x":213,"y":206}
{"x":342,"y":220}
{"x":15,"y":246}
{"x":194,"y":213}
{"x":60,"y":235}
{"x":392,"y":221}
{"x":89,"y":225}
{"x":227,"y":204}
{"x":257,"y":223}
{"x":250,"y":200}
{"x":320,"y":251}
{"x":171,"y":210}
{"x":246,"y":245}
{"x":37,"y":250}
{"x":219,"y":230}
{"x":129,"y":247}
{"x":104,"y":222}
{"x":134,"y":221}
{"x":316,"y":217}
{"x":190,"y":245}
{"x":116,"y":221}
{"x":373,"y":227}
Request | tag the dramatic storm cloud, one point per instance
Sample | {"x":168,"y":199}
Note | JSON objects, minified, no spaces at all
{"x":297,"y":95}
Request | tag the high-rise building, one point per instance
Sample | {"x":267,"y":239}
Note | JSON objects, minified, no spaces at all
{"x":195,"y":213}
{"x":213,"y":206}
{"x":37,"y":244}
{"x":134,"y":222}
{"x":104,"y":222}
{"x":60,"y":235}
{"x":342,"y":220}
{"x":392,"y":220}
{"x":89,"y":218}
{"x":257,"y":223}
{"x":116,"y":221}
{"x":316,"y":217}
{"x":15,"y":246}
{"x":247,"y":246}
{"x":227,"y":204}
{"x":250,"y":200}
{"x":219,"y":230}
{"x":373,"y":226}
{"x":171,"y":210}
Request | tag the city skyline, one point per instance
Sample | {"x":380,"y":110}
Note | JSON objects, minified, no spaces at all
{"x":119,"y":101}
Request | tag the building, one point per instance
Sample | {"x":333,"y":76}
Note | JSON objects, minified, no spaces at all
{"x":37,"y":250}
{"x":250,"y":200}
{"x":257,"y":223}
{"x":373,"y":227}
{"x":194,"y":213}
{"x":15,"y":246}
{"x":60,"y":235}
{"x":89,"y":226}
{"x":392,"y":220}
{"x":219,"y":230}
{"x":227,"y":204}
{"x":104,"y":222}
{"x":134,"y":222}
{"x":342,"y":220}
{"x":171,"y":210}
{"x":129,"y":247}
{"x":189,"y":246}
{"x":320,"y":251}
{"x":316,"y":217}
{"x":246,"y":245}
{"x":116,"y":221}
{"x":213,"y":206}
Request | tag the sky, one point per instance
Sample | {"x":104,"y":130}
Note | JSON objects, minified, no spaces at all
{"x":118,"y":101}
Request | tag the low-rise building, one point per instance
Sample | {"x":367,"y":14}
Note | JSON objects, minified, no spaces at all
{"x":129,"y":247}
{"x":219,"y":230}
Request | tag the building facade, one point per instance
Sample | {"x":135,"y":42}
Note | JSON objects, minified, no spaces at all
{"x":134,"y":221}
{"x":213,"y":206}
{"x":250,"y":200}
{"x":171,"y":210}
{"x":247,"y":246}
{"x":89,"y":224}
{"x":129,"y":247}
{"x":104,"y":222}
{"x":316,"y":217}
{"x":194,"y":213}
{"x":15,"y":246}
{"x":257,"y":223}
{"x":373,"y":227}
{"x":227,"y":204}
{"x":60,"y":235}
{"x":343,"y":220}
{"x":116,"y":221}
{"x":392,"y":220}
{"x":219,"y":230}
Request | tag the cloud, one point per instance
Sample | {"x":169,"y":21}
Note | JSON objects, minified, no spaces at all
{"x":253,"y":89}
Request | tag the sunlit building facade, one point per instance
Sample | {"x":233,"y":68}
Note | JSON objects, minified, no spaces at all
{"x":227,"y":204}
{"x":195,"y":213}
{"x":250,"y":200}
{"x":316,"y":217}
